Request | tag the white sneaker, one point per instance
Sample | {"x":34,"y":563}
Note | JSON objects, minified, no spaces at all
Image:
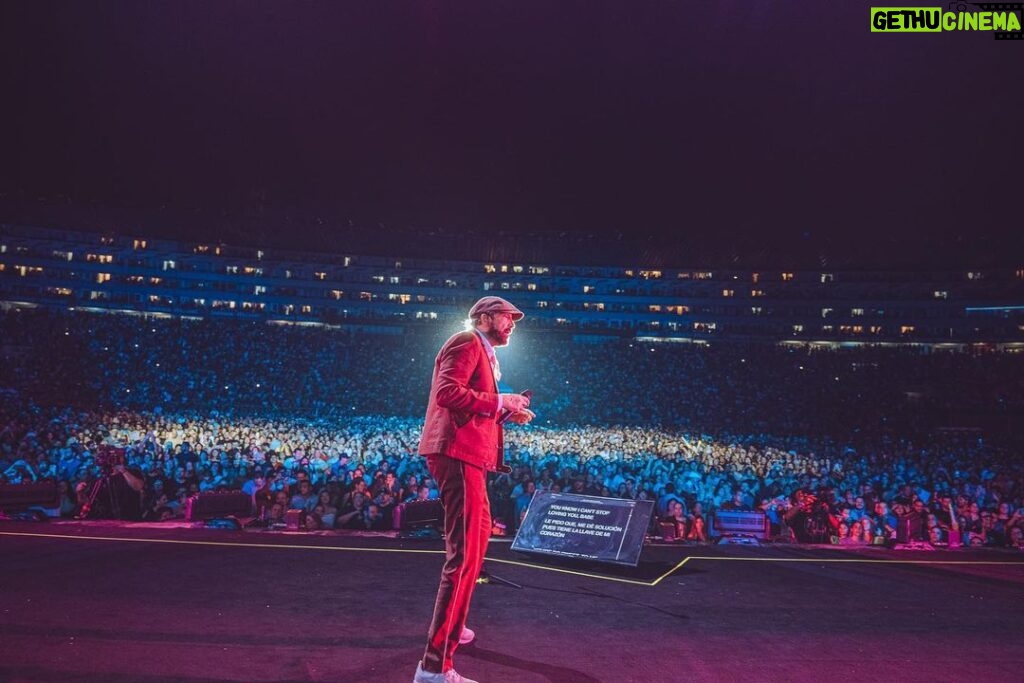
{"x":467,"y":636}
{"x":449,"y":676}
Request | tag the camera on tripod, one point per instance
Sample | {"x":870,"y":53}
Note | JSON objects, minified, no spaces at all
{"x":104,"y":498}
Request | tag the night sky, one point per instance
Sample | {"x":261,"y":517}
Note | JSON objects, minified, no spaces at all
{"x":754,"y":126}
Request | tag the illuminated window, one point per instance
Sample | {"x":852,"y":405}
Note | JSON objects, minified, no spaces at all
{"x":170,"y":265}
{"x":797,"y":329}
{"x":337,"y":293}
{"x":288,"y":274}
{"x":320,"y":275}
{"x":827,"y":277}
{"x":134,"y":279}
{"x":705,"y":327}
{"x":906,"y":329}
{"x":876,"y":329}
{"x":64,"y":255}
{"x":786,"y":277}
{"x":538,"y":270}
{"x":395,"y":280}
{"x":974,"y":275}
{"x":155,"y":280}
{"x":307,"y":309}
{"x":826,"y":312}
{"x":428,"y":315}
{"x":703,"y":275}
{"x":755,"y":277}
{"x":489,"y":268}
{"x":1020,"y":273}
{"x":99,"y":295}
{"x":855,"y":312}
{"x":757,"y":292}
{"x":201,"y":248}
{"x":199,"y":302}
{"x":400,"y":298}
{"x":588,"y":289}
{"x":858,"y":329}
{"x":365,"y":296}
{"x":139,"y":244}
{"x":517,"y":269}
{"x":259,"y":289}
{"x":678,"y":310}
{"x":654,"y":308}
{"x":253,"y":306}
{"x":755,"y":310}
{"x":532,"y":286}
{"x":542,"y":304}
{"x":288,"y":309}
{"x":451,"y":283}
{"x":504,"y":268}
{"x":59,"y":291}
{"x":628,"y":273}
{"x":728,"y":292}
{"x":940,"y":294}
{"x":826,"y":328}
{"x":253,"y":270}
{"x":154,"y":299}
{"x":102,"y":277}
{"x":99,"y":258}
{"x":231,"y":270}
{"x":650,"y":274}
{"x":593,"y":307}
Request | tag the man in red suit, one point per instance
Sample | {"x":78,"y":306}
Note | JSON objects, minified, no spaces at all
{"x":462,"y":441}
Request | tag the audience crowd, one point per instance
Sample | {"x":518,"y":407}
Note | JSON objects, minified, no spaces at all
{"x":840,"y":446}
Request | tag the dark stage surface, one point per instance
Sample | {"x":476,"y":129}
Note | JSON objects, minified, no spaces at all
{"x":99,"y":602}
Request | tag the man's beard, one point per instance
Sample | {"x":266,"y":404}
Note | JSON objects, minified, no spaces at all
{"x":497,"y":337}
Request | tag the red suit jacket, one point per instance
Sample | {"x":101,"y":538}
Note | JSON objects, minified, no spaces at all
{"x":462,"y":413}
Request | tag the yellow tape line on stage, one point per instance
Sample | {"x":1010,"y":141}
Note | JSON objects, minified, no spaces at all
{"x":855,"y":560}
{"x":517,"y":563}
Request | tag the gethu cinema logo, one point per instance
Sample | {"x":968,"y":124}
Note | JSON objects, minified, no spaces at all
{"x":933,"y":19}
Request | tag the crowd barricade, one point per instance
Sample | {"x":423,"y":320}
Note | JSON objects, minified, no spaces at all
{"x":21,"y":497}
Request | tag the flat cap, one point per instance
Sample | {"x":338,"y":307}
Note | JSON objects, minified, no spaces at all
{"x":494,"y":304}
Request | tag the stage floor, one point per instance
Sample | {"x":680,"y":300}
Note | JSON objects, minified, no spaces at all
{"x":88,"y":602}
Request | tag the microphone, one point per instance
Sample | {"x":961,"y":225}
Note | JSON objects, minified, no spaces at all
{"x":506,"y":414}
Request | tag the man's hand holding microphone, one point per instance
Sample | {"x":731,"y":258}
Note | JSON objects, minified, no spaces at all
{"x":516,"y":408}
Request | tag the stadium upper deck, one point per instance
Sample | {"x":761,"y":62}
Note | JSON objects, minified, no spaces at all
{"x":106,"y":272}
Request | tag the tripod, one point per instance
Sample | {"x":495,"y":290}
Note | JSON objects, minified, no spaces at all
{"x":113,"y":505}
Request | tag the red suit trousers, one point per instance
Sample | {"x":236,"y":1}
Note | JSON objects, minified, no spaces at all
{"x":467,"y":526}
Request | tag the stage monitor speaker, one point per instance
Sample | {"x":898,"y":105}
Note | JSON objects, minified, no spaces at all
{"x":419,"y":514}
{"x":740,"y":523}
{"x":911,"y":528}
{"x":208,"y":505}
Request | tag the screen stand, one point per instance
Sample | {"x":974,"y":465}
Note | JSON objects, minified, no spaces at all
{"x":487,"y":577}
